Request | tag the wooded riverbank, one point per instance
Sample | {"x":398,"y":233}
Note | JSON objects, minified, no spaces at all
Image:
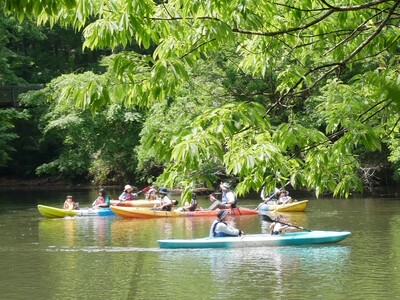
{"x":392,"y":191}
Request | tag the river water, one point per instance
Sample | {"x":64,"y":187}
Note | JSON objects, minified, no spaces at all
{"x":114,"y":258}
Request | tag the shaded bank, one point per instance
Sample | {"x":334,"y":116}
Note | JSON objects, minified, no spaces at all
{"x":55,"y":183}
{"x":45,"y":183}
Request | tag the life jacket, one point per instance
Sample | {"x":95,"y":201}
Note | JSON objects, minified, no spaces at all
{"x":224,"y":199}
{"x":167,"y":208}
{"x":129,"y":196}
{"x":103,"y":200}
{"x":100,"y":200}
{"x":219,"y":234}
{"x":193,"y":205}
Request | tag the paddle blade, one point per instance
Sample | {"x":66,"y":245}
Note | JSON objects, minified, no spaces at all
{"x":266,"y":217}
{"x":145,"y":189}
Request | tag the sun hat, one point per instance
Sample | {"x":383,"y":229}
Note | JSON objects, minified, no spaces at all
{"x":222,"y":214}
{"x":69,"y":197}
{"x":163,"y":191}
{"x":225,"y":185}
{"x":128,"y":187}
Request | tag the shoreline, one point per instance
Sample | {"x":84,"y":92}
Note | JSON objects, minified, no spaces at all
{"x":13,"y":183}
{"x":40,"y":183}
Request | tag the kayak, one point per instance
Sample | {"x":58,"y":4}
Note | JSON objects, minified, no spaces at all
{"x":297,"y":206}
{"x":132,"y":212}
{"x":135,"y":203}
{"x":54,"y":212}
{"x":258,"y":240}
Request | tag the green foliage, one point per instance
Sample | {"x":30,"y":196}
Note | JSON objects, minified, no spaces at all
{"x":97,"y":145}
{"x":320,"y":93}
{"x":7,"y":134}
{"x":36,"y":54}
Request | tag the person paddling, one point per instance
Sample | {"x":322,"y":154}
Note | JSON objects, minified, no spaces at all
{"x":228,"y":199}
{"x":284,"y":197}
{"x":103,"y":200}
{"x":128,"y":194}
{"x":151,"y":194}
{"x":279,"y":226}
{"x":220,"y":228}
{"x":192,"y":206}
{"x":165,"y":202}
{"x":70,"y":204}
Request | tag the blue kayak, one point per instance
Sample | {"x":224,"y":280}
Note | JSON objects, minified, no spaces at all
{"x":258,"y":240}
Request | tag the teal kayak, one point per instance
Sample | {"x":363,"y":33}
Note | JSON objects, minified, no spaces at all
{"x":258,"y":240}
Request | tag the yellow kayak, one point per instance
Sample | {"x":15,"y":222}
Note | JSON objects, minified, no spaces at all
{"x":54,"y":212}
{"x":297,"y":206}
{"x":132,"y":212}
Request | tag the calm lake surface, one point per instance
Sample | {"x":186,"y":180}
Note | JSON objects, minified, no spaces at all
{"x":114,"y":258}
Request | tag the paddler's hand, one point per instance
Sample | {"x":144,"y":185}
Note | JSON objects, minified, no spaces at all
{"x":212,"y":198}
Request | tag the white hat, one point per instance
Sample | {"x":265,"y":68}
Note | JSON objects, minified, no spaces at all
{"x":225,"y":185}
{"x":128,"y":187}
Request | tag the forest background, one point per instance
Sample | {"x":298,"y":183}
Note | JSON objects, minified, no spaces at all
{"x":189,"y":93}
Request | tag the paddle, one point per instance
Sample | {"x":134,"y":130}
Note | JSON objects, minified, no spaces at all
{"x":265,"y":200}
{"x":144,"y":190}
{"x":269,"y":219}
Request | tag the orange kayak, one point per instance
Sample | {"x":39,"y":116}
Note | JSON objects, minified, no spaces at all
{"x":132,"y":212}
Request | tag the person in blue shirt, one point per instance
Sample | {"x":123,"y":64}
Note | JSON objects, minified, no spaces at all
{"x":220,"y":228}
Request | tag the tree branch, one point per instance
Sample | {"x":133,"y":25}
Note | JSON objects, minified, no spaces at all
{"x":337,"y":65}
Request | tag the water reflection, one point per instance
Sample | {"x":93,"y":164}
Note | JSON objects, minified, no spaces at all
{"x":272,"y":270}
{"x":73,"y":232}
{"x":72,"y":258}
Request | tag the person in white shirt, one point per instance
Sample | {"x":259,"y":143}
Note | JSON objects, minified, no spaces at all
{"x":228,"y":199}
{"x":220,"y":228}
{"x":280,"y":226}
{"x":165,"y":202}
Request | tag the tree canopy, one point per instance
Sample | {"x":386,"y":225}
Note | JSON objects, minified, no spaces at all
{"x":318,"y":82}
